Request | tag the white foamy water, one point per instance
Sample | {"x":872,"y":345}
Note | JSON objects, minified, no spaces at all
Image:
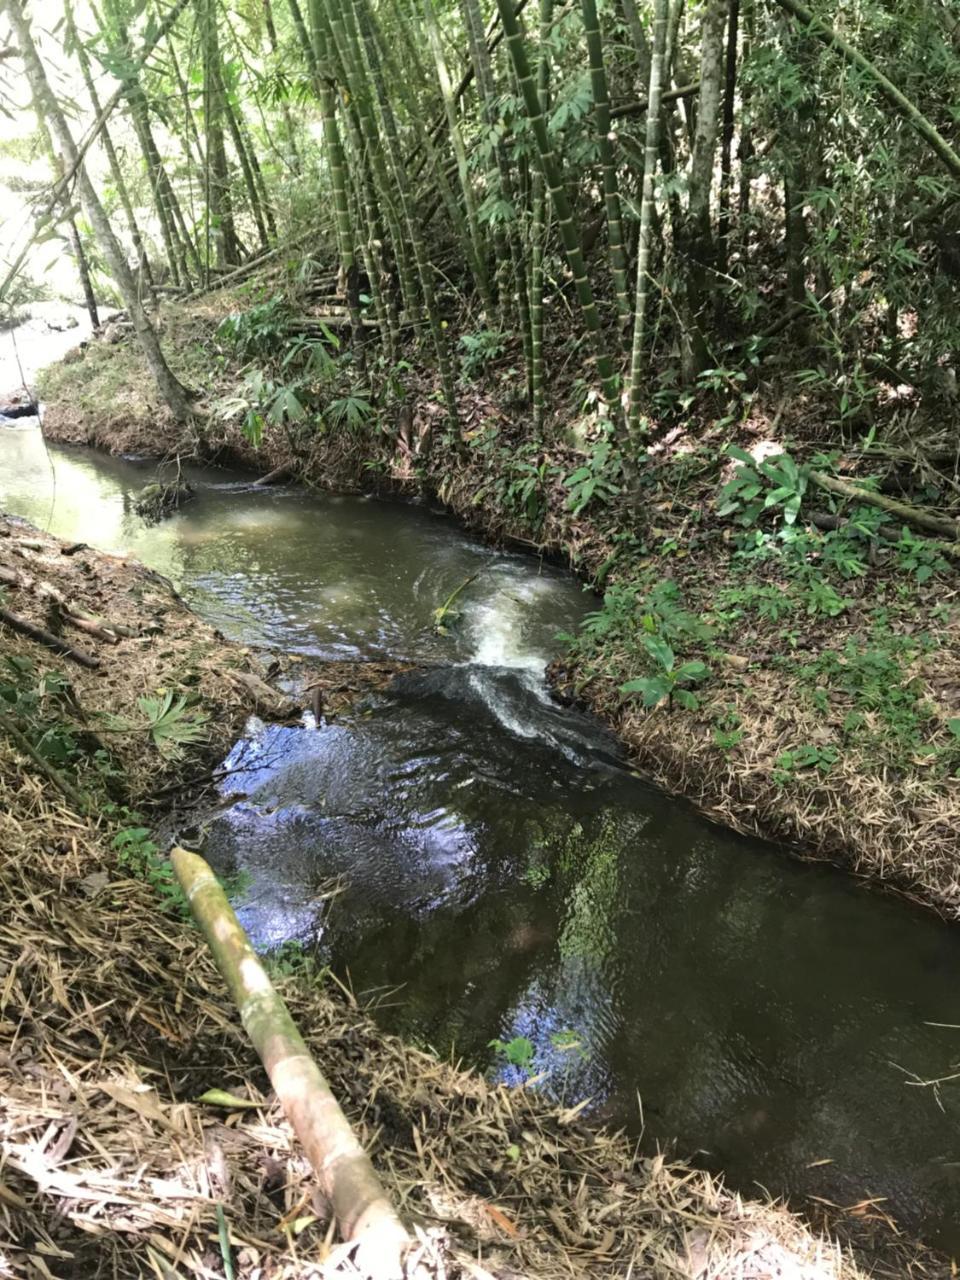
{"x":498,"y":627}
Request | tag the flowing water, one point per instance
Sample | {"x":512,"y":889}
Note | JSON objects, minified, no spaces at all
{"x":506,"y":876}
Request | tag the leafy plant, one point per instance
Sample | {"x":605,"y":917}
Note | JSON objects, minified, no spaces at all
{"x":820,"y":597}
{"x":595,"y":479}
{"x":804,"y":757}
{"x":351,"y":411}
{"x":537,"y":874}
{"x":291,"y":959}
{"x":670,"y":680}
{"x":262,"y":401}
{"x":518,"y":1052}
{"x":259,"y":331}
{"x":479,"y":350}
{"x":749,"y":491}
{"x":916,"y":555}
{"x":173,"y":723}
{"x":39,"y":704}
{"x":139,"y":855}
{"x":525,"y":491}
{"x":727,"y":732}
{"x":663,"y":614}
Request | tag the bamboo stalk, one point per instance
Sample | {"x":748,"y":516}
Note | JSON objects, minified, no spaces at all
{"x":907,"y":109}
{"x":608,"y":164}
{"x":566,"y":221}
{"x":912,"y":515}
{"x":647,"y":211}
{"x":360,"y":1205}
{"x":538,"y":233}
{"x":28,"y":628}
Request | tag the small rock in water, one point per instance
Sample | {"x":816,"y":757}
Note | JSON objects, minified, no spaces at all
{"x":19,"y":407}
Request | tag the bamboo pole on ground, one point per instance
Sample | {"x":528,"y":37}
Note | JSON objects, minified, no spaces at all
{"x":363,"y":1213}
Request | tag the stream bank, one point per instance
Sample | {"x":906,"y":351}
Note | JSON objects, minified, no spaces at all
{"x":118,"y":1023}
{"x":829,"y":719}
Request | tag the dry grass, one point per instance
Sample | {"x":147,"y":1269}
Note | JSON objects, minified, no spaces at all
{"x":113,"y":1022}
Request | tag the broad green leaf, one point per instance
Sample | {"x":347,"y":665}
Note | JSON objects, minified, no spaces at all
{"x":740,"y":454}
{"x":660,"y":651}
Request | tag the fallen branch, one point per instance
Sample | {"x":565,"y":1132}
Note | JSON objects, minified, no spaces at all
{"x":27,"y":628}
{"x":918,"y":516}
{"x":56,"y":777}
{"x":70,"y":612}
{"x":91,"y":628}
{"x":886,"y":533}
{"x":266,"y":698}
{"x":363,"y":1213}
{"x":672,"y":95}
{"x":446,"y":609}
{"x":285,"y":471}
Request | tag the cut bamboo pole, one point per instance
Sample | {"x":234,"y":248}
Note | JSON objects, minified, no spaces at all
{"x":360,"y":1205}
{"x":943,"y":525}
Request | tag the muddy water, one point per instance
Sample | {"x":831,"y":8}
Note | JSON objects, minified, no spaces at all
{"x":505,"y":876}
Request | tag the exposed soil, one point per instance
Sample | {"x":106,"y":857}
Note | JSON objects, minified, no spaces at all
{"x":114,"y":1023}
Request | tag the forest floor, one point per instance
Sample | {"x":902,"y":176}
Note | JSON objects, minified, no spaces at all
{"x":115,"y":1023}
{"x":822,"y":708}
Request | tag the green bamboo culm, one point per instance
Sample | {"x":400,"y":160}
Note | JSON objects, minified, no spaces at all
{"x":538,"y":233}
{"x":651,"y":152}
{"x":513,"y":277}
{"x":338,"y":168}
{"x":566,"y":225}
{"x":354,"y":78}
{"x":364,"y":198}
{"x":398,"y":73}
{"x":474,"y":246}
{"x":608,"y":162}
{"x":364,"y":25}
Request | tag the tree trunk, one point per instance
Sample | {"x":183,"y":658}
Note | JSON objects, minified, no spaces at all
{"x":174,"y":394}
{"x":366,"y":32}
{"x":538,"y":233}
{"x":338,"y":169}
{"x":651,"y":151}
{"x":553,"y":179}
{"x":726,"y":137}
{"x":143,"y":262}
{"x":611,"y":186}
{"x":220,"y":225}
{"x":83,"y":271}
{"x":697,"y":246}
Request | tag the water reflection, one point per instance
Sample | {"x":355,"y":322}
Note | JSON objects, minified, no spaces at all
{"x":755,"y":1005}
{"x":336,"y":577}
{"x":505,"y":877}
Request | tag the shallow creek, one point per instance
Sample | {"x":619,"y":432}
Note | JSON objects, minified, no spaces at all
{"x":506,"y":875}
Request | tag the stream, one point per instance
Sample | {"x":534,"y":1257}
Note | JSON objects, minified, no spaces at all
{"x":506,"y":875}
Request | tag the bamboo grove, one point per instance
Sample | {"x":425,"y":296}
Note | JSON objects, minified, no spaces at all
{"x":664,"y":195}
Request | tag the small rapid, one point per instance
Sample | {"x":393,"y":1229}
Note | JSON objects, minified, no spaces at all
{"x":503,"y":874}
